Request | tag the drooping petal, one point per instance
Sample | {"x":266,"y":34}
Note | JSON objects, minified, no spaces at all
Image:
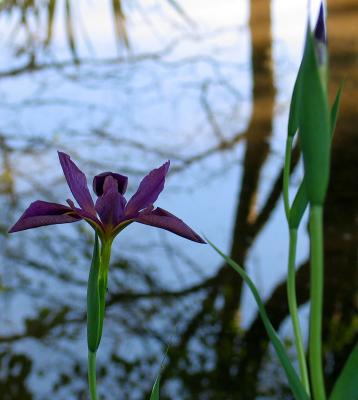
{"x":110,"y":206}
{"x":88,"y":216}
{"x":77,"y":183}
{"x":98,"y":182}
{"x":41,"y":213}
{"x":148,"y":190}
{"x":163,"y":219}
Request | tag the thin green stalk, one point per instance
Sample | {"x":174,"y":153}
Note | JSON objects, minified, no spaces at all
{"x":291,"y":275}
{"x":316,"y":297}
{"x":99,"y":309}
{"x":92,"y":375}
{"x":102,"y":282}
{"x":286,"y":175}
{"x":292,"y":305}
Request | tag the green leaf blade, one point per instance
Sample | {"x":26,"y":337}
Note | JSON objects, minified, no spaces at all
{"x":335,"y":109}
{"x":346,"y":386}
{"x":299,"y":206}
{"x":93,"y":300}
{"x":155,"y":391}
{"x":314,"y":125}
{"x":293,"y":379}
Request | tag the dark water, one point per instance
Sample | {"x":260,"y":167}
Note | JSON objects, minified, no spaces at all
{"x":208,"y":90}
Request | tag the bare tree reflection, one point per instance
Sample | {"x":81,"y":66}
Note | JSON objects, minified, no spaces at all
{"x":210,"y":355}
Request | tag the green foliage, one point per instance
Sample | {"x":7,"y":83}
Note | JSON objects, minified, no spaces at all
{"x":93,"y":300}
{"x":293,"y":116}
{"x":335,"y":109}
{"x":314,"y":125}
{"x":300,"y":201}
{"x":346,"y":386}
{"x":292,"y":377}
{"x":299,"y":206}
{"x":155,"y":391}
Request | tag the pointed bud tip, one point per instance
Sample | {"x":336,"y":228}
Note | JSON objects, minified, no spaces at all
{"x":320,"y":28}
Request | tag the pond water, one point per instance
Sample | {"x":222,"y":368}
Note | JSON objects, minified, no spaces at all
{"x":208,"y":87}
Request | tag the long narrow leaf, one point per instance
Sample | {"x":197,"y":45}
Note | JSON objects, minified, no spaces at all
{"x":300,"y":201}
{"x":293,"y":115}
{"x":293,"y":379}
{"x":314,"y":125}
{"x":335,"y":109}
{"x":155,"y":391}
{"x":346,"y":386}
{"x":93,"y":300}
{"x":299,"y":206}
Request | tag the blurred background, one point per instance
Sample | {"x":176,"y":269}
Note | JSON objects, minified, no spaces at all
{"x":123,"y":86}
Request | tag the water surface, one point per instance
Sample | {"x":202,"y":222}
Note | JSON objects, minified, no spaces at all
{"x":208,"y":87}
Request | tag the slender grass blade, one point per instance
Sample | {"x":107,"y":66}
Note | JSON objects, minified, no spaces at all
{"x":93,"y":300}
{"x":292,"y":377}
{"x":346,"y":386}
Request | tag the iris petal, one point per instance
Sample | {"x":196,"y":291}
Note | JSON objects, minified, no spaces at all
{"x":110,"y":206}
{"x":41,"y":213}
{"x":98,"y":182}
{"x":165,"y":220}
{"x":77,"y":183}
{"x":148,"y":190}
{"x":88,"y":216}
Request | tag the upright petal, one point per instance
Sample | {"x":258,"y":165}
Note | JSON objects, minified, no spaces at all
{"x":163,"y":219}
{"x":148,"y":190}
{"x":41,"y":213}
{"x":110,"y":206}
{"x":98,"y":182}
{"x":77,"y":182}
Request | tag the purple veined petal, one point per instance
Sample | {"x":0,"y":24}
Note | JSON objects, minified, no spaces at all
{"x":77,"y":183}
{"x":42,"y":213}
{"x":165,"y":220}
{"x":98,"y":182}
{"x":148,"y":190}
{"x":110,"y":206}
{"x":88,"y":216}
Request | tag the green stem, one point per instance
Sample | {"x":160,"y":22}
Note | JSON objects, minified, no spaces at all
{"x":96,"y":302}
{"x":92,"y":375}
{"x":292,"y":305}
{"x":102,"y":282}
{"x":316,"y":297}
{"x":286,"y":175}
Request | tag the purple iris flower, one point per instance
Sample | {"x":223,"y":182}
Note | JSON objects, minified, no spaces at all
{"x":111,"y":212}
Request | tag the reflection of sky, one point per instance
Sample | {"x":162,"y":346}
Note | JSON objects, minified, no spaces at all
{"x":157,"y":103}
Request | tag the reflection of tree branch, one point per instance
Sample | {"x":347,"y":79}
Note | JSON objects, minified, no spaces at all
{"x":179,"y":350}
{"x":116,"y":297}
{"x":6,"y":177}
{"x":273,"y":197}
{"x":32,"y":66}
{"x":257,"y":149}
{"x":224,"y":145}
{"x":209,"y":112}
{"x":254,"y":342}
{"x":59,"y":65}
